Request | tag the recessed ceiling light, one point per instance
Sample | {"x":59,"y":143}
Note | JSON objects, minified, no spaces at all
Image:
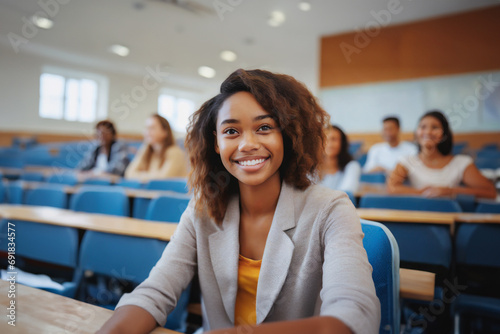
{"x":120,"y":50}
{"x":228,"y":55}
{"x":42,"y":22}
{"x":206,"y":72}
{"x":305,"y":6}
{"x":277,"y":18}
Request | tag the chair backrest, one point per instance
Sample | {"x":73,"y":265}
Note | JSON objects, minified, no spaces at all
{"x":2,"y":190}
{"x":478,"y":244}
{"x":101,"y":199}
{"x":97,"y":181}
{"x":121,"y":256}
{"x":43,"y":242}
{"x":63,"y":178}
{"x":488,"y":207}
{"x":383,"y":255}
{"x":32,"y":176}
{"x":167,"y":208}
{"x":135,"y":184}
{"x":47,"y":195}
{"x":15,"y":192}
{"x":177,"y":185}
{"x":128,"y":259}
{"x":409,"y":203}
{"x":373,"y":177}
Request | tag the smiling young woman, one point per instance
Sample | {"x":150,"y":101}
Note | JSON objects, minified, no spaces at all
{"x":273,"y":252}
{"x":435,"y":171}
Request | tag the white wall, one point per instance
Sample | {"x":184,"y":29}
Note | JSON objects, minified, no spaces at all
{"x":19,"y":96}
{"x":470,"y":101}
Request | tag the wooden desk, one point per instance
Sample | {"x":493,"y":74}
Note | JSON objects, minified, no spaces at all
{"x":89,"y":221}
{"x":485,"y":218}
{"x":366,"y":188}
{"x":403,"y":216}
{"x":132,"y":193}
{"x":11,"y":171}
{"x":39,"y":311}
{"x":416,"y":284}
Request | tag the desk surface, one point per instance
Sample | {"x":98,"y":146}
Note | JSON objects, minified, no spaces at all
{"x":89,"y":221}
{"x":416,"y":284}
{"x":386,"y":215}
{"x":39,"y":311}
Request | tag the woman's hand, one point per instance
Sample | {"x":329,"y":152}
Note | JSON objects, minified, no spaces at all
{"x":437,"y":192}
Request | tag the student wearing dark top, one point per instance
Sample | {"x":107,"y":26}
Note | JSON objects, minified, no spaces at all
{"x":107,"y":156}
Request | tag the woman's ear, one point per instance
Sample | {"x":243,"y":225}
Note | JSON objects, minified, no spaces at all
{"x":216,"y":146}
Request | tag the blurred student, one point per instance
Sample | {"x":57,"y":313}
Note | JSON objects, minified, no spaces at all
{"x":383,"y":157}
{"x":339,"y":171}
{"x":434,"y":171}
{"x":107,"y":156}
{"x":159,"y":157}
{"x":274,"y":253}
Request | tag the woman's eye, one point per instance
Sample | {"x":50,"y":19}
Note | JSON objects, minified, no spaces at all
{"x":230,"y":131}
{"x":265,"y":128}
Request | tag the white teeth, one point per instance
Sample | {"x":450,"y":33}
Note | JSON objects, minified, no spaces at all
{"x":251,"y":162}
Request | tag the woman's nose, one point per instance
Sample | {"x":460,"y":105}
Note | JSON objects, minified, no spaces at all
{"x":249,"y":142}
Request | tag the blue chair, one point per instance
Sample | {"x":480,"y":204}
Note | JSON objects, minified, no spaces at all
{"x":128,"y":259}
{"x":50,"y":244}
{"x":167,"y":208}
{"x":487,"y":163}
{"x":141,"y":204}
{"x":66,"y":178}
{"x":176,"y":185}
{"x":458,"y":148}
{"x":490,"y":146}
{"x":383,"y":255}
{"x":354,"y":147}
{"x":96,"y":181}
{"x":373,"y":177}
{"x":488,"y":154}
{"x":477,"y":250}
{"x":47,"y":195}
{"x":134,"y":184}
{"x":352,"y":198}
{"x":409,"y":203}
{"x":2,"y":190}
{"x":101,"y":199}
{"x":32,"y":176}
{"x":15,"y":192}
{"x":488,"y":207}
{"x":362,"y":159}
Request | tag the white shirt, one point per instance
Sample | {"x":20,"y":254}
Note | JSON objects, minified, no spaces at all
{"x":383,"y":155}
{"x":346,"y":180}
{"x":101,"y":163}
{"x":421,"y":176}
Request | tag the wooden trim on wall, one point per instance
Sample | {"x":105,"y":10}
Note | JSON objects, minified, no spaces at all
{"x":467,"y":42}
{"x":7,"y":136}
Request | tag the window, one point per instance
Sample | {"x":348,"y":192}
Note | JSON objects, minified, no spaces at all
{"x":176,"y":107}
{"x":72,"y":96}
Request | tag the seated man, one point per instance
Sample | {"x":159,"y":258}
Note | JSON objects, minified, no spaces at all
{"x":383,"y":157}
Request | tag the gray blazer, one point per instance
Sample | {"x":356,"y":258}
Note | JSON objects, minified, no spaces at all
{"x":117,"y":158}
{"x":314,"y":263}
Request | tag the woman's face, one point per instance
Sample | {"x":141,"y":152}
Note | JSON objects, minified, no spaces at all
{"x":333,"y":143}
{"x":154,"y":132}
{"x":104,"y":135}
{"x":429,"y":132}
{"x":248,"y":140}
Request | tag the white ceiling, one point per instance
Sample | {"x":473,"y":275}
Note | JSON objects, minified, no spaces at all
{"x":162,"y":34}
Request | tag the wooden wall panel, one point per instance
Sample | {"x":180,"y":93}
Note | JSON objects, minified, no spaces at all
{"x":467,"y":42}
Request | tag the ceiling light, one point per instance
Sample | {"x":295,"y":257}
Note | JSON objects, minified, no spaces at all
{"x":305,"y":6}
{"x":277,"y":18}
{"x":206,"y":72}
{"x":119,"y":50}
{"x":42,"y":22}
{"x":228,"y":55}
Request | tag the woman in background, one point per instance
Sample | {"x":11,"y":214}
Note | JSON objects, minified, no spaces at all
{"x":434,"y":171}
{"x":159,"y":157}
{"x":339,"y":171}
{"x":107,"y":156}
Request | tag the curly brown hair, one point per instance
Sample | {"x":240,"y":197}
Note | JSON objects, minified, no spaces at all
{"x":298,"y":115}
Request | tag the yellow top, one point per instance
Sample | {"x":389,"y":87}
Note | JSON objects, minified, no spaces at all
{"x":248,"y":277}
